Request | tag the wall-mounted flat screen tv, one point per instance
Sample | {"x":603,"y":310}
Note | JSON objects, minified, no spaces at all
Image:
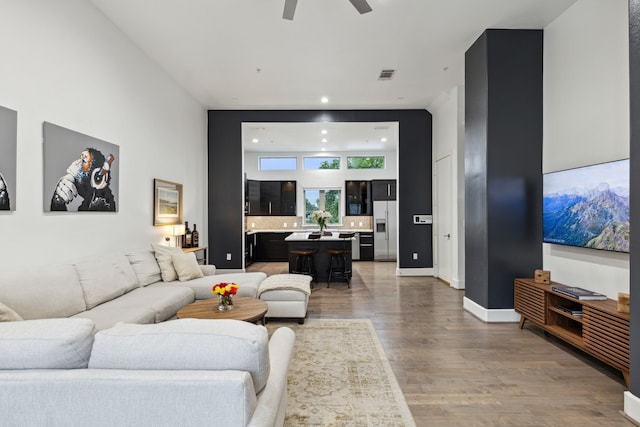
{"x":588,"y":206}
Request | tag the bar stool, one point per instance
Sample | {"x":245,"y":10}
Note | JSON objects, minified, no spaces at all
{"x":303,"y":263}
{"x":338,"y":260}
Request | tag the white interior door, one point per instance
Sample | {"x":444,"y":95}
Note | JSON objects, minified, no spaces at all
{"x":443,"y":221}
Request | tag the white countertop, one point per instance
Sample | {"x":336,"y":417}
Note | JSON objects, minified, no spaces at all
{"x":307,"y":231}
{"x":304,"y":237}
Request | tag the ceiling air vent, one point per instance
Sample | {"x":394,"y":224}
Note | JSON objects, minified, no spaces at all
{"x":386,"y":74}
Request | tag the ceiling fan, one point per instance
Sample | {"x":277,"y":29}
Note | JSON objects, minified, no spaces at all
{"x":290,"y":7}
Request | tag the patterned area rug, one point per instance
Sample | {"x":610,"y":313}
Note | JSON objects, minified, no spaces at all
{"x":340,"y":376}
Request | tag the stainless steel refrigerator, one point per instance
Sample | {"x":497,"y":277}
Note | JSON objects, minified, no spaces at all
{"x":385,"y":230}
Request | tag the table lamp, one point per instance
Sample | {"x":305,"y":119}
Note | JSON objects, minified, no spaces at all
{"x":178,"y":230}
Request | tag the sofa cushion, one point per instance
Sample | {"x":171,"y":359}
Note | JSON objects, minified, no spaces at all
{"x":106,"y":316}
{"x":186,"y":266}
{"x":43,"y":292}
{"x":105,"y":277}
{"x":163,"y":301}
{"x":163,"y":256}
{"x":145,"y":265}
{"x":192,"y":344}
{"x":7,"y":314}
{"x":46,"y":344}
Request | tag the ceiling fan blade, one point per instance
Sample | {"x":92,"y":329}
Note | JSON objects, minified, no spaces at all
{"x":361,"y":5}
{"x":289,"y":9}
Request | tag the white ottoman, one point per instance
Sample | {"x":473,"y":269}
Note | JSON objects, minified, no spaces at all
{"x":287,"y":295}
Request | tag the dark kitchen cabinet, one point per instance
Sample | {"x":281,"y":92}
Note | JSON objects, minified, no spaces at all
{"x":383,"y":189}
{"x":357,"y":198}
{"x":252,"y":197}
{"x":271,"y":247}
{"x":249,"y":248}
{"x":271,"y":198}
{"x":366,"y":246}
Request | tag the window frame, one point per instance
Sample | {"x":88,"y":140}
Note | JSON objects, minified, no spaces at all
{"x":384,"y":162}
{"x":295,"y":161}
{"x":329,"y":158}
{"x":305,"y":217}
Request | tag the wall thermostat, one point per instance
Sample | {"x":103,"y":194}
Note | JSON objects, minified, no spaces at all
{"x":423,"y":219}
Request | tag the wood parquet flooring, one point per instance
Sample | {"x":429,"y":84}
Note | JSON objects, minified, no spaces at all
{"x":456,"y":370}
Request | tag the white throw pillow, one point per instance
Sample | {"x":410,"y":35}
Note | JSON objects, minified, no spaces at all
{"x":8,"y":315}
{"x":163,"y":256}
{"x":186,"y":266}
{"x":145,"y":265}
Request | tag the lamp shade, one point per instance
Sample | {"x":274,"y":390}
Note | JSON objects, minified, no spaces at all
{"x":179,"y":230}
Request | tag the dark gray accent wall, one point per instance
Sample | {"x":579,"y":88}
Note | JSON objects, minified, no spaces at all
{"x":226,"y":180}
{"x":503,"y":163}
{"x":634,"y":151}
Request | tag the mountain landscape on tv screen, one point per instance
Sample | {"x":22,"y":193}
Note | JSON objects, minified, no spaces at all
{"x":598,"y":218}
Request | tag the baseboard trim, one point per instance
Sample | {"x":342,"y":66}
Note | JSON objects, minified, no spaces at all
{"x":632,"y":406}
{"x":494,"y":315}
{"x":414,"y":271}
{"x":457,"y":284}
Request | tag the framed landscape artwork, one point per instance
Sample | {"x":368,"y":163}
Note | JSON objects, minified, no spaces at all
{"x":81,"y":173}
{"x":167,"y":202}
{"x":8,"y":145}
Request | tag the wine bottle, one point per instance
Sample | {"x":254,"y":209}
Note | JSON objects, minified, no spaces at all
{"x":195,"y":237}
{"x":186,"y":241}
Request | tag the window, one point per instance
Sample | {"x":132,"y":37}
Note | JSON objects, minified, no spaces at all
{"x":361,"y":162}
{"x":322,"y":162}
{"x":322,"y":199}
{"x":278,"y":163}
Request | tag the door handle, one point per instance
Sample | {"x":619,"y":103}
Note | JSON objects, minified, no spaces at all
{"x":448,"y":235}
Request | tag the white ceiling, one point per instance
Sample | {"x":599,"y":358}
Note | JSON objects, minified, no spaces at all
{"x":241,"y":54}
{"x":307,"y":137}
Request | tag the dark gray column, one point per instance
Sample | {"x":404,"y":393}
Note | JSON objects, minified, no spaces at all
{"x":503,"y":163}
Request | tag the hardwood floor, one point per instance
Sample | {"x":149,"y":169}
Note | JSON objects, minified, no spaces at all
{"x":456,"y":370}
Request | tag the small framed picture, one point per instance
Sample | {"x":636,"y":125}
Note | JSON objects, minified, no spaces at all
{"x":167,"y":202}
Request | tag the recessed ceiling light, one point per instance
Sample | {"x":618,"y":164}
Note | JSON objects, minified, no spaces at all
{"x":324,"y":139}
{"x":323,"y":131}
{"x":324,"y":149}
{"x":324,"y":99}
{"x":255,"y":140}
{"x":384,"y":139}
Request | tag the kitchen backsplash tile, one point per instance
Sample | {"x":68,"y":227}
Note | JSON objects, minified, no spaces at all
{"x":295,"y":223}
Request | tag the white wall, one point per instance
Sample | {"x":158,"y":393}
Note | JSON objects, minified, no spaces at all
{"x":586,"y":121}
{"x":329,"y":178}
{"x":63,"y":62}
{"x":448,"y":140}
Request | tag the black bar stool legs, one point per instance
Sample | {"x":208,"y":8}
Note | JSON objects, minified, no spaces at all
{"x":304,"y":263}
{"x":338,"y":261}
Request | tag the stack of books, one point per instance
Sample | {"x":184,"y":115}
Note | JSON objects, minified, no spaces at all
{"x":572,"y":311}
{"x":579,"y":293}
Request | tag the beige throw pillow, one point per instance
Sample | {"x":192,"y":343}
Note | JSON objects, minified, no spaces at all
{"x":7,"y":314}
{"x":163,"y":256}
{"x":186,"y":266}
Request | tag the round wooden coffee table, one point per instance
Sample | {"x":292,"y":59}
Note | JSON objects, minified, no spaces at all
{"x":244,"y":308}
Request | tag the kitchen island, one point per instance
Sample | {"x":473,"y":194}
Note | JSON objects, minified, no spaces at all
{"x":301,"y":241}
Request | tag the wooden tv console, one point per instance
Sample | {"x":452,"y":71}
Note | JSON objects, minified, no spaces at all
{"x":602,"y":331}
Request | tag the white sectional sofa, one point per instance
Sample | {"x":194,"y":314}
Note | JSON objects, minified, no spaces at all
{"x":127,"y":287}
{"x":186,"y":372}
{"x":143,"y":369}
